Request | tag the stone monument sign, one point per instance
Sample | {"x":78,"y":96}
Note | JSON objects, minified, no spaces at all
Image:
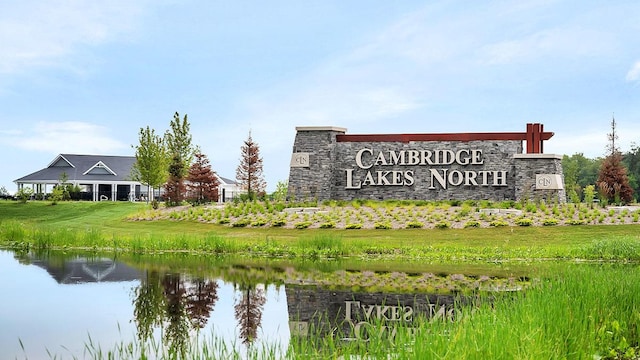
{"x":329,"y":164}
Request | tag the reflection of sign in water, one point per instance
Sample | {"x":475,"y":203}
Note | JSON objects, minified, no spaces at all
{"x":300,"y":160}
{"x":358,"y":316}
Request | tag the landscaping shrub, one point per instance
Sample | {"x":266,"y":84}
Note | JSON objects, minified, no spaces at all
{"x":302,"y":225}
{"x":240,"y":223}
{"x":576,"y":222}
{"x":382,"y":225}
{"x":259,"y":222}
{"x":550,"y":222}
{"x":524,"y":222}
{"x":414,"y":225}
{"x":472,"y":223}
{"x":498,"y":223}
{"x":328,"y":225}
{"x":443,"y":224}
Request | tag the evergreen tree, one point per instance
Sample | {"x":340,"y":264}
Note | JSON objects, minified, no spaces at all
{"x":178,"y":140}
{"x":249,"y":172}
{"x":613,"y":182}
{"x":175,"y":188}
{"x":202,"y":181}
{"x":150,"y":167}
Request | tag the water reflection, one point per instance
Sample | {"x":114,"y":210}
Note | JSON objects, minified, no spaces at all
{"x":241,"y":305}
{"x":174,"y":303}
{"x":80,"y":269}
{"x":352,"y":316}
{"x":248,"y":311}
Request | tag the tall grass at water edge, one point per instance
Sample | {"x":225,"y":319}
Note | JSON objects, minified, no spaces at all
{"x":586,"y":312}
{"x":320,"y":244}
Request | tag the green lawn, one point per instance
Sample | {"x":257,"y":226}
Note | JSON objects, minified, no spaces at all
{"x":109,"y":219}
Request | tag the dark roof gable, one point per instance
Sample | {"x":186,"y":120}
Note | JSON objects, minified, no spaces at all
{"x":84,"y":168}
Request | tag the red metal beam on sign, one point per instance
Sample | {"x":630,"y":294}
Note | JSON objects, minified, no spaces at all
{"x":534,"y":137}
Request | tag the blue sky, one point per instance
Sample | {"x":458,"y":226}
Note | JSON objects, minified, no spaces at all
{"x":85,"y":76}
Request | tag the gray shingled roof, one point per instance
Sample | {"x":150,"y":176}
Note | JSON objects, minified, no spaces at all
{"x":227,"y":180}
{"x":75,"y":166}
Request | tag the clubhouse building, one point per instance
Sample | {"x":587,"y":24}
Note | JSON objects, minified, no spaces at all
{"x":103,"y":178}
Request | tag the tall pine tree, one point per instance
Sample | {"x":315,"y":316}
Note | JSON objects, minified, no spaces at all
{"x":613,"y":182}
{"x":249,"y":172}
{"x":178,"y":140}
{"x":248,"y":312}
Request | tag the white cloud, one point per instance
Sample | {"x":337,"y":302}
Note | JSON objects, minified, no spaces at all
{"x":634,"y":72}
{"x":66,"y":137}
{"x":554,"y":43}
{"x":43,"y":33}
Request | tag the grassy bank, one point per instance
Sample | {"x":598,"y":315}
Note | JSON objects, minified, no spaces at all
{"x":577,"y":314}
{"x":572,"y":310}
{"x":107,"y":226}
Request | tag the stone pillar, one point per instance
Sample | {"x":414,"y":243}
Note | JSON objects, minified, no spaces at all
{"x":312,"y":163}
{"x":539,"y":177}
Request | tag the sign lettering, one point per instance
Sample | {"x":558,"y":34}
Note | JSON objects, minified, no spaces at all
{"x":440,"y":175}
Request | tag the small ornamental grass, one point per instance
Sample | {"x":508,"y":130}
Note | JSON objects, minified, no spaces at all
{"x":524,"y":222}
{"x":328,"y":225}
{"x":241,"y":223}
{"x":382,"y":225}
{"x":472,"y":223}
{"x":302,"y":225}
{"x":415,"y":225}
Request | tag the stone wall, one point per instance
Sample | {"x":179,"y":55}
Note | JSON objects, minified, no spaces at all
{"x":323,"y":168}
{"x":311,"y":177}
{"x":536,"y":188}
{"x":496,"y":156}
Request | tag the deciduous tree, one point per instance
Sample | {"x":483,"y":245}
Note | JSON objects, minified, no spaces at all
{"x":151,"y":163}
{"x":282,"y":187}
{"x":249,"y":172}
{"x":579,"y":172}
{"x":631,"y":160}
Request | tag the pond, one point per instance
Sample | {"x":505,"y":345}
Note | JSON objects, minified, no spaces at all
{"x":77,"y":304}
